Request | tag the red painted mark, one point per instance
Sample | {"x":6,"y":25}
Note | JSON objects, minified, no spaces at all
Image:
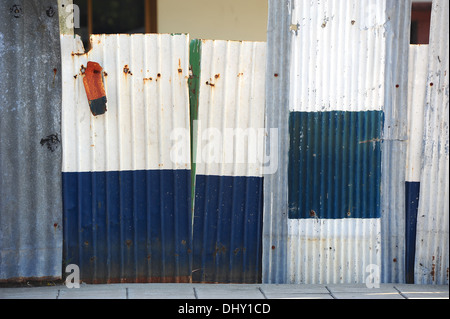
{"x":93,"y":82}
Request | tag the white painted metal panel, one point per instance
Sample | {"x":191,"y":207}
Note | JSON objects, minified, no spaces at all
{"x":323,"y":251}
{"x":230,"y":140}
{"x":432,"y":245}
{"x":145,"y":78}
{"x":418,"y":68}
{"x":338,"y":55}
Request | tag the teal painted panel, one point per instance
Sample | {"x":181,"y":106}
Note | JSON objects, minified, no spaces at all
{"x":335,"y":164}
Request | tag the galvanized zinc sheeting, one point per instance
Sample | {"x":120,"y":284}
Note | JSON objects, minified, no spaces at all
{"x":126,"y":173}
{"x":30,"y":148}
{"x":230,"y":142}
{"x":344,"y":61}
{"x":274,"y":265}
{"x":398,"y":14}
{"x":432,"y":245}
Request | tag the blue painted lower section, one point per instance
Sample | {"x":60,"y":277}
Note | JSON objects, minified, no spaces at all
{"x":227,"y":229}
{"x":128,"y":226}
{"x":335,"y":164}
{"x":412,"y":191}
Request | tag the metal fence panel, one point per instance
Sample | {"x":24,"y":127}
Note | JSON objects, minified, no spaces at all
{"x":432,"y":243}
{"x":126,"y":173}
{"x":275,"y":228}
{"x":417,"y":74}
{"x":230,"y":140}
{"x":30,"y":148}
{"x":345,"y":60}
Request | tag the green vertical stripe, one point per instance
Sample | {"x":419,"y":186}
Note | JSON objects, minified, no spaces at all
{"x":194,"y":85}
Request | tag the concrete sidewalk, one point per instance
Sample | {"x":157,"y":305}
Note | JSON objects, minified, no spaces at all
{"x":228,"y":291}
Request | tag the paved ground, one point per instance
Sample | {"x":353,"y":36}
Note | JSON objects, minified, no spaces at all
{"x":227,"y":291}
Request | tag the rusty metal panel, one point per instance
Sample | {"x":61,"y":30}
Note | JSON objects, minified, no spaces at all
{"x":432,"y":244}
{"x":230,"y":140}
{"x":30,"y":148}
{"x":345,"y":60}
{"x":126,"y":173}
{"x":274,"y":265}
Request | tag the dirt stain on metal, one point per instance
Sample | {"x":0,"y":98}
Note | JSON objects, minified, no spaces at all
{"x":51,"y":142}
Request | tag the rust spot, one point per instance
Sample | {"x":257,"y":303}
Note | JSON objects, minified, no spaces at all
{"x":180,"y":70}
{"x":82,"y":69}
{"x":210,"y":84}
{"x":126,"y":70}
{"x":86,"y":243}
{"x":431,"y":84}
{"x":240,"y":74}
{"x":433,"y":272}
{"x":312,"y":213}
{"x":78,"y":53}
{"x":397,"y":86}
{"x":273,"y":247}
{"x":275,"y":75}
{"x":158,"y":75}
{"x":348,"y":213}
{"x":75,"y":76}
{"x":55,"y":70}
{"x":394,"y":260}
{"x":183,"y":242}
{"x":235,"y":252}
{"x":128,"y":242}
{"x":105,"y":74}
{"x":353,"y":22}
{"x":217,"y":76}
{"x":147,"y":79}
{"x":219,"y":249}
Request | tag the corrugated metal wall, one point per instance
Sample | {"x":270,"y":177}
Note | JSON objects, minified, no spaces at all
{"x":432,"y":245}
{"x":228,"y":203}
{"x":30,"y":148}
{"x":345,"y":60}
{"x":277,"y":116}
{"x":126,"y":174}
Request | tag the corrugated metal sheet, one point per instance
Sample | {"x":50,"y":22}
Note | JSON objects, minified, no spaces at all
{"x":30,"y":150}
{"x":343,"y":60}
{"x":432,"y":245}
{"x":126,"y":174}
{"x":417,"y":88}
{"x":394,"y":144}
{"x":229,"y":185}
{"x":418,"y":67}
{"x":274,"y":265}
